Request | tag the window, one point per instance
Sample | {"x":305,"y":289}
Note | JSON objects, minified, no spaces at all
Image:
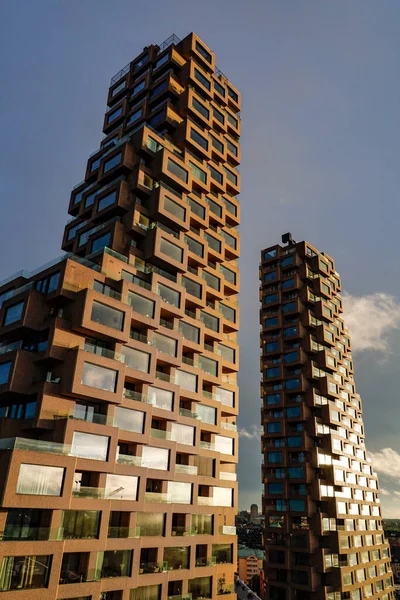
{"x":89,"y":445}
{"x":217,"y":144}
{"x":179,"y":492}
{"x":228,"y":312}
{"x":209,"y":321}
{"x":201,"y":50}
{"x":224,"y":444}
{"x":172,"y":250}
{"x":128,"y":420}
{"x":95,"y":165}
{"x":141,"y":305}
{"x":274,"y":457}
{"x":200,"y":108}
{"x":189,"y":332}
{"x":183,"y":434}
{"x":150,"y":524}
{"x":288,"y":283}
{"x":165,"y":344}
{"x":135,"y":116}
{"x":194,"y":246}
{"x":289,"y":331}
{"x":207,"y":414}
{"x":106,"y":201}
{"x":269,"y":254}
{"x":292,"y":384}
{"x":114,"y":115}
{"x":48,"y":284}
{"x":177,"y":170}
{"x":40,"y":480}
{"x":226,"y":397}
{"x":159,"y":88}
{"x":136,"y":359}
{"x":112,"y":162}
{"x":139,"y":87}
{"x":188,"y":381}
{"x":146,"y":592}
{"x":274,"y":427}
{"x":5,"y":369}
{"x":201,"y":79}
{"x":293,"y":412}
{"x":107,"y":316}
{"x":160,"y":398}
{"x":272,"y":322}
{"x":116,"y":563}
{"x":101,"y":242}
{"x":223,"y":496}
{"x":291,"y":357}
{"x":155,"y":458}
{"x":216,"y":174}
{"x":78,"y":524}
{"x":121,"y":487}
{"x":169,"y":295}
{"x":233,"y":95}
{"x":174,"y":208}
{"x":270,"y":276}
{"x":273,"y":399}
{"x":13,"y":313}
{"x":161,"y":61}
{"x":99,"y":377}
{"x":24,"y":572}
{"x":198,"y":173}
{"x":208,"y":365}
{"x":198,"y":139}
{"x":297,"y":505}
{"x":197,"y":209}
{"x":272,"y":346}
{"x":118,"y":89}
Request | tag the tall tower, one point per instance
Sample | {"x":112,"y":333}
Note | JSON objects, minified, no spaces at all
{"x":323,"y":521}
{"x":118,"y":360}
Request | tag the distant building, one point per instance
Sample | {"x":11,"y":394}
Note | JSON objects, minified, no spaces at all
{"x":250,"y":562}
{"x":253,"y":511}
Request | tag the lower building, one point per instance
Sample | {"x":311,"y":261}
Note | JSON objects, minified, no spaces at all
{"x":250,"y":563}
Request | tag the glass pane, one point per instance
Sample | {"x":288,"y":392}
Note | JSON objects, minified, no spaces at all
{"x":155,"y":458}
{"x":135,"y":359}
{"x":121,"y":487}
{"x":160,"y":398}
{"x":40,"y":480}
{"x":89,"y":445}
{"x":99,"y":377}
{"x":128,"y":420}
{"x":105,"y":315}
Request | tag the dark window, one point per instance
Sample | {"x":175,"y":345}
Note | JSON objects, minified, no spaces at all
{"x":217,"y":144}
{"x":218,"y":116}
{"x":216,"y":174}
{"x":200,"y":108}
{"x":101,"y":242}
{"x":48,"y":284}
{"x":13,"y":313}
{"x":202,"y":79}
{"x":201,"y":50}
{"x":134,"y":117}
{"x":24,"y":572}
{"x":114,"y":115}
{"x":199,"y":139}
{"x":177,"y":170}
{"x":106,"y":201}
{"x":105,"y":315}
{"x":5,"y":372}
{"x":233,"y":95}
{"x":160,"y":88}
{"x":112,"y":162}
{"x":219,"y":88}
{"x":232,"y":148}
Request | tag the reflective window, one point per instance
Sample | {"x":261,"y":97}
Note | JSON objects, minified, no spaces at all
{"x":225,"y":396}
{"x":177,"y":170}
{"x":174,"y":208}
{"x":179,"y":492}
{"x":107,"y":316}
{"x":24,"y":572}
{"x":160,"y":398}
{"x":222,"y":496}
{"x":5,"y":369}
{"x":155,"y":458}
{"x":197,"y":172}
{"x":13,"y":313}
{"x":208,"y":365}
{"x":192,"y":287}
{"x":169,"y":295}
{"x":101,"y":242}
{"x":200,"y":108}
{"x":183,"y":434}
{"x":135,"y":116}
{"x":201,"y":79}
{"x":189,"y":332}
{"x":106,"y":201}
{"x":287,"y":284}
{"x":198,"y":139}
{"x":150,"y":524}
{"x":228,"y":312}
{"x":136,"y":359}
{"x":112,"y":162}
{"x":99,"y":377}
{"x":128,"y":420}
{"x":224,"y":444}
{"x":114,"y":115}
{"x":116,"y":563}
{"x":171,"y":250}
{"x":142,"y":305}
{"x":201,"y":50}
{"x":165,"y":344}
{"x":121,"y":487}
{"x":161,"y":61}
{"x":146,"y":592}
{"x":119,"y":88}
{"x":274,"y":457}
{"x":207,"y":414}
{"x":273,"y":398}
{"x":40,"y":480}
{"x":89,"y":445}
{"x":187,"y":381}
{"x":77,"y":524}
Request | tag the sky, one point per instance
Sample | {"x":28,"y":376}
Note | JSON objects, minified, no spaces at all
{"x":320,"y":151}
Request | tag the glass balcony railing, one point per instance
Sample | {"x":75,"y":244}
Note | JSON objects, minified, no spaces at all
{"x":184,"y":412}
{"x":156,"y":497}
{"x":127,"y":459}
{"x":88,"y":492}
{"x":227,"y":530}
{"x":225,"y":476}
{"x":160,"y":434}
{"x":123,"y":532}
{"x":100,"y":351}
{"x":26,"y":533}
{"x":205,"y":501}
{"x":209,"y":561}
{"x":153,"y":567}
{"x":207,"y":445}
{"x":179,"y":530}
{"x":228,"y":426}
{"x":226,"y":589}
{"x":34,"y":445}
{"x":186,"y":469}
{"x":180,"y":597}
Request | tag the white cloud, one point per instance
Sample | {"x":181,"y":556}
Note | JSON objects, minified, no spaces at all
{"x":386,"y":462}
{"x":251,"y":434}
{"x":384,"y":492}
{"x":370,"y":319}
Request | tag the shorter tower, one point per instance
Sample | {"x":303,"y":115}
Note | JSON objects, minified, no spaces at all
{"x":253,"y":511}
{"x":323,"y":523}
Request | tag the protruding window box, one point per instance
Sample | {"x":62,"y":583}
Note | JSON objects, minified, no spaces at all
{"x":165,"y":250}
{"x":172,"y":170}
{"x":96,"y":313}
{"x":114,"y":117}
{"x":194,"y":46}
{"x":169,"y":208}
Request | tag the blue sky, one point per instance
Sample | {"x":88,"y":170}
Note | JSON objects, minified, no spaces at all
{"x":320,"y":148}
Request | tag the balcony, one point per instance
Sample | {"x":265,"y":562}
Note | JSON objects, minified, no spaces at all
{"x":156,"y":497}
{"x":89,"y":492}
{"x":13,"y":533}
{"x":153,"y":567}
{"x":35,"y":446}
{"x":227,"y":530}
{"x":127,"y":459}
{"x":186,"y":469}
{"x":210,"y":561}
{"x":224,"y":475}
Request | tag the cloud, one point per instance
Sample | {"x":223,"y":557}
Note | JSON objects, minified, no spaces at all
{"x":251,"y":434}
{"x":370,"y":319}
{"x":386,"y":462}
{"x":384,"y":492}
